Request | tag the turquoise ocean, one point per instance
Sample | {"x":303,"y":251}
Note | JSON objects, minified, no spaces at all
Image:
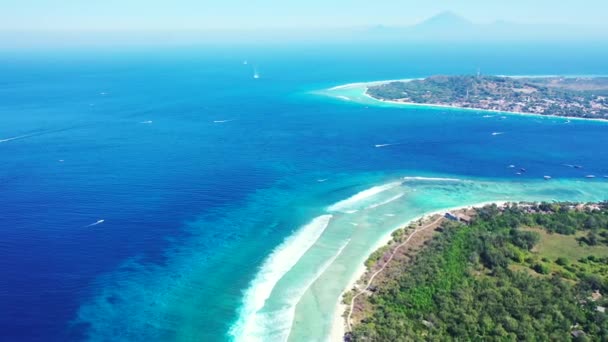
{"x":167,"y":194}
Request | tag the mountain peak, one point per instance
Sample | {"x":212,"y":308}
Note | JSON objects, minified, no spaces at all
{"x":446,"y":19}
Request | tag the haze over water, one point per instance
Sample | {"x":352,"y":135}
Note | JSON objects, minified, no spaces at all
{"x":143,"y":191}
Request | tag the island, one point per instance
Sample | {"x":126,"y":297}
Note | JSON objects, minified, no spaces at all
{"x":577,"y":97}
{"x":524,"y":271}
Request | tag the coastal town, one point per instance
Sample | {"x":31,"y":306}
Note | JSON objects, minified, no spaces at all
{"x":583,"y":97}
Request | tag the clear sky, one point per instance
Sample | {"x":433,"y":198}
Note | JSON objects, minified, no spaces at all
{"x":117,"y":15}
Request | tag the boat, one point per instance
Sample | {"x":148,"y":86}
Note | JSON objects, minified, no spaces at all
{"x":590,"y":176}
{"x":522,"y":170}
{"x":547,"y":177}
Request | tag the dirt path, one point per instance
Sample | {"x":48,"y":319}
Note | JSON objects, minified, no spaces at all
{"x":371,"y":279}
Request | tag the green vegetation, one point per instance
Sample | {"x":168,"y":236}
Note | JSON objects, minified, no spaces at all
{"x":375,"y":256}
{"x":525,"y":272}
{"x":573,"y":97}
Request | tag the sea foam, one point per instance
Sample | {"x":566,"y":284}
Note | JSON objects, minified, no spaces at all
{"x":276,"y":325}
{"x":349,"y":203}
{"x":274,"y":268}
{"x":394,"y":198}
{"x":432,"y":179}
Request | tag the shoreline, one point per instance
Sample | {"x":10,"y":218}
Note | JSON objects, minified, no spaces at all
{"x":376,"y":82}
{"x":339,"y":325}
{"x":365,"y":87}
{"x":439,"y":106}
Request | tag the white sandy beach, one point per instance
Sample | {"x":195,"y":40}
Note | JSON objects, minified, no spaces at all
{"x":425,"y":105}
{"x":364,"y":86}
{"x":339,"y":325}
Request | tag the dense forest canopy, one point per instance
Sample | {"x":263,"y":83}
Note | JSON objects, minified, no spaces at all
{"x":496,"y":279}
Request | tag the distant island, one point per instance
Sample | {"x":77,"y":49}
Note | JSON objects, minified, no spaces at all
{"x":583,"y":97}
{"x":513,"y":272}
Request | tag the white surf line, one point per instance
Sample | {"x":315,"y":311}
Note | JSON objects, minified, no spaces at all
{"x":432,"y":179}
{"x":394,"y":198}
{"x":371,"y":279}
{"x":347,"y":203}
{"x":319,"y":273}
{"x":276,"y":265}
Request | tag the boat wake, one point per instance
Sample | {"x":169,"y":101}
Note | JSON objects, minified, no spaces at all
{"x":15,"y":138}
{"x":95,"y":223}
{"x":42,"y":132}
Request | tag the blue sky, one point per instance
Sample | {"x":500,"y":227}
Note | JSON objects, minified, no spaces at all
{"x":117,"y":15}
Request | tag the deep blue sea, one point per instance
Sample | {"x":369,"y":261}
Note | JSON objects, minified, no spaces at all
{"x":142,"y":188}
